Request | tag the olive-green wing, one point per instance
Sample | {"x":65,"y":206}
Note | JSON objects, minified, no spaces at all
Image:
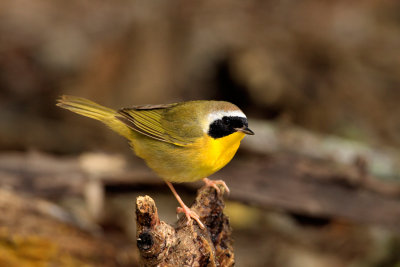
{"x":150,"y":121}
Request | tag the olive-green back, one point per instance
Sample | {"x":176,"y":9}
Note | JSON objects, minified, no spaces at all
{"x":179,"y":123}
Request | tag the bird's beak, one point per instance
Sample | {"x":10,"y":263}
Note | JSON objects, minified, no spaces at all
{"x":245,"y":130}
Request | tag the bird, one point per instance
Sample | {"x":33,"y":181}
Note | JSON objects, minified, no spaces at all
{"x":181,"y":142}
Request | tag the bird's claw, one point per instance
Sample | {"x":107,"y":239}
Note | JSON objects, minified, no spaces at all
{"x":214,"y":184}
{"x":190,"y":215}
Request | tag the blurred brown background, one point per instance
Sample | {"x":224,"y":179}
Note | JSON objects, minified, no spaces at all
{"x":329,"y":67}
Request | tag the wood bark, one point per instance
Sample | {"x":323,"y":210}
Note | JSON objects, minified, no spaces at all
{"x":185,"y":244}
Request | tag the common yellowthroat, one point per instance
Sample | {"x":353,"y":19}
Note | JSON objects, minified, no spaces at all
{"x":181,"y":142}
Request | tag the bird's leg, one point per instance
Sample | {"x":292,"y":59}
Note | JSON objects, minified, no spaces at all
{"x":212,"y":183}
{"x":185,"y":209}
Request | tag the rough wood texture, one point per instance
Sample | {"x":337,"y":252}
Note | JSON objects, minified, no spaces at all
{"x":185,"y":244}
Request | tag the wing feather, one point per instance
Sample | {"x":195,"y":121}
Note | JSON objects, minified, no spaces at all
{"x":148,"y":120}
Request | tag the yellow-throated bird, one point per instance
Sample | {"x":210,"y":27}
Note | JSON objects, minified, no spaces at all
{"x":181,"y":142}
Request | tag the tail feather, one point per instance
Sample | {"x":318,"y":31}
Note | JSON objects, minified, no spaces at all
{"x":95,"y":111}
{"x":85,"y":107}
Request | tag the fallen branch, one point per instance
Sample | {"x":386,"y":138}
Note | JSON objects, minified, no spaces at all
{"x":283,"y":181}
{"x":185,"y":244}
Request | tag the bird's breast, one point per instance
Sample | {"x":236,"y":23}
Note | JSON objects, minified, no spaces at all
{"x":216,"y":153}
{"x":189,"y":163}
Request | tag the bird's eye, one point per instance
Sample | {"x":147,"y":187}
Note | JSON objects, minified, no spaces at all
{"x":225,"y":120}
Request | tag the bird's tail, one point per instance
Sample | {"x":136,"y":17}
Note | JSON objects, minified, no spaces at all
{"x":95,"y":111}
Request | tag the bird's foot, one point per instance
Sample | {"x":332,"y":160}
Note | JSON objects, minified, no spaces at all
{"x":214,"y":184}
{"x":185,"y":209}
{"x":190,"y":215}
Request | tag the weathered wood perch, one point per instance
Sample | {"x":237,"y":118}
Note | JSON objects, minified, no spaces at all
{"x":185,"y":244}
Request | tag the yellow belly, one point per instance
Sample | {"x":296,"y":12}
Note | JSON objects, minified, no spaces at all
{"x":189,"y":163}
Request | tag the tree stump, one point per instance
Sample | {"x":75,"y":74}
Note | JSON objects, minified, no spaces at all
{"x":161,"y":244}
